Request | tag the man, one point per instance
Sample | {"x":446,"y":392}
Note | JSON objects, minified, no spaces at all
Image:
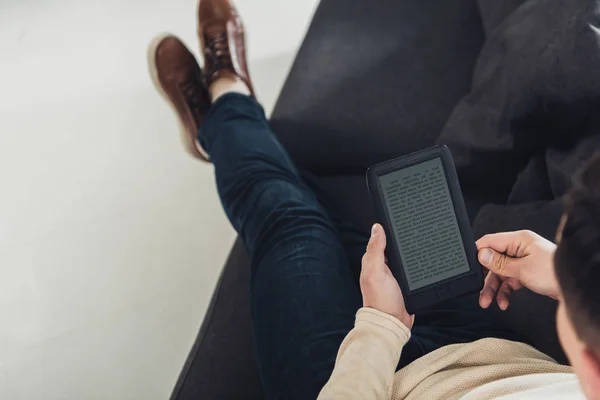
{"x":305,"y":292}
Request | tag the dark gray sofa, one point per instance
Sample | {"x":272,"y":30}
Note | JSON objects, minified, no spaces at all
{"x":375,"y":80}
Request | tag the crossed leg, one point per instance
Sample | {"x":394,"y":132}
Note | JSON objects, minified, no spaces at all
{"x":303,"y":294}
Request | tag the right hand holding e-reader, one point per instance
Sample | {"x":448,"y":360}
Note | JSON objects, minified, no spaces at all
{"x":431,"y":250}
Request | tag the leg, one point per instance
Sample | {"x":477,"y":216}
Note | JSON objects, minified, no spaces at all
{"x":303,"y":295}
{"x":353,"y":238}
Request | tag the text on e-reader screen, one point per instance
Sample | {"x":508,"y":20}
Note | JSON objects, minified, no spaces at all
{"x":424,"y":223}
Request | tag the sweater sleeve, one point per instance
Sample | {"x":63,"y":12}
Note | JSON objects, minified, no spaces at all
{"x":367,"y":359}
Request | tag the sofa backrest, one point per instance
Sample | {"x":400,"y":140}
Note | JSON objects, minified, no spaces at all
{"x":375,"y":80}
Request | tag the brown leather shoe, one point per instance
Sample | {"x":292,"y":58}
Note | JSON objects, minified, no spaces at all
{"x":222,"y":41}
{"x":179,"y":79}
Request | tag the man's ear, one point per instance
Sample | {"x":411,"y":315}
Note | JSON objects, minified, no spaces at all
{"x":591,"y":369}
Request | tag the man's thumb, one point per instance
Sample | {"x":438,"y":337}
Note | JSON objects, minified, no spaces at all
{"x":374,"y":258}
{"x":378,"y":240}
{"x":501,"y":264}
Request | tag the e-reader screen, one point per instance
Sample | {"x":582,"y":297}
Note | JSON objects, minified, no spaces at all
{"x":424,"y":222}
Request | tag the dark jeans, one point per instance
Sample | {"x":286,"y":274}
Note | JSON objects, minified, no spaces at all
{"x":305,"y":259}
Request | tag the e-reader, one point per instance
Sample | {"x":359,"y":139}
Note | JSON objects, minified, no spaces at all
{"x":430,"y":246}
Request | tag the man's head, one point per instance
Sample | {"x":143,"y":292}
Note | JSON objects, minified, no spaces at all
{"x":577,"y":263}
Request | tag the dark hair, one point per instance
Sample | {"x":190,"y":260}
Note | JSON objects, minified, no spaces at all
{"x":577,"y":258}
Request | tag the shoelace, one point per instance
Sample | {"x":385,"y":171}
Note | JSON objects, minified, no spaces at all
{"x":192,"y":92}
{"x":218,"y":50}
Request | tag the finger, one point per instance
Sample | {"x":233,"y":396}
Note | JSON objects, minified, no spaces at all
{"x":375,"y":255}
{"x":511,"y":243}
{"x":503,"y":297}
{"x":490,"y":287}
{"x":500,"y":264}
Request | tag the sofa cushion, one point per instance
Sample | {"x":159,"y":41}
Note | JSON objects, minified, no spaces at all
{"x":493,"y":12}
{"x":536,"y":92}
{"x":375,"y":80}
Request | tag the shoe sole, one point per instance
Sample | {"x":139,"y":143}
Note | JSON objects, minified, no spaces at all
{"x":191,"y":145}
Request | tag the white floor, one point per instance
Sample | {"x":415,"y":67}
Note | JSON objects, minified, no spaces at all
{"x":111,"y":238}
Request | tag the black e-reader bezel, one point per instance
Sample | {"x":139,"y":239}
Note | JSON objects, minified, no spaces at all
{"x":423,"y":298}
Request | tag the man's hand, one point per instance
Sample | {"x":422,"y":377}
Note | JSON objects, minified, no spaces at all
{"x":516,"y":260}
{"x":380,"y":290}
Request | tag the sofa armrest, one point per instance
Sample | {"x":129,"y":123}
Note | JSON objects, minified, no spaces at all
{"x":222,"y":363}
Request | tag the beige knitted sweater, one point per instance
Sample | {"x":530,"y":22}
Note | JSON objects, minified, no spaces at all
{"x":367,"y":360}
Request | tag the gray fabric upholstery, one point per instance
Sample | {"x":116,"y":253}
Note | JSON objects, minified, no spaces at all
{"x":494,"y":12}
{"x":376,"y":79}
{"x":535,"y":93}
{"x":222,"y":364}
